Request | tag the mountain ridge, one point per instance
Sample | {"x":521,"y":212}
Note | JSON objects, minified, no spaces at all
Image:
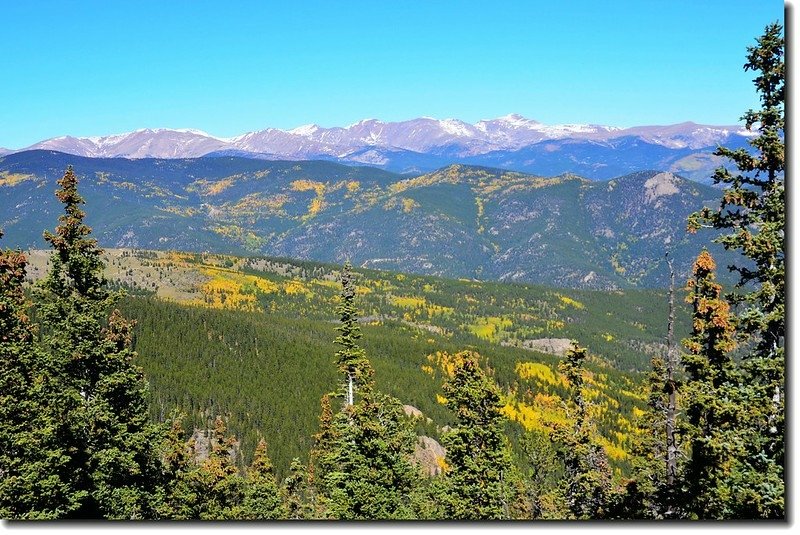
{"x":460,"y":221}
{"x":423,"y":144}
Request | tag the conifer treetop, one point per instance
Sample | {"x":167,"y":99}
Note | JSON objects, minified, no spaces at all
{"x":351,"y":359}
{"x":77,"y":264}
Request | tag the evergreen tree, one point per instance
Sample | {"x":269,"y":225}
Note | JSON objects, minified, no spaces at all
{"x":588,"y":473}
{"x":481,"y":477}
{"x":262,"y":500}
{"x":543,"y":479}
{"x":373,"y":475}
{"x":100,"y":400}
{"x":652,"y":492}
{"x":363,"y":453}
{"x":752,"y":216}
{"x":30,"y":456}
{"x":351,"y":359}
{"x":17,"y":404}
{"x":320,"y":458}
{"x":216,"y":482}
{"x":295,"y":491}
{"x":714,"y":409}
{"x":645,"y":494}
{"x":177,"y":499}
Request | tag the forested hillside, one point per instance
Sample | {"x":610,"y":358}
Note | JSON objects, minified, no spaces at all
{"x":458,"y":221}
{"x":267,"y":322}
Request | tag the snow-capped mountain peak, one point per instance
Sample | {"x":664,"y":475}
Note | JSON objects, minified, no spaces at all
{"x":305,"y":130}
{"x":425,"y":135}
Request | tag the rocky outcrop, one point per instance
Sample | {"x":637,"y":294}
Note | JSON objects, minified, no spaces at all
{"x":430,"y":455}
{"x":551,"y":346}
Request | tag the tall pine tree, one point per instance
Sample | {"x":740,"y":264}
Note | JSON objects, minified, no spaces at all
{"x":588,"y":473}
{"x":481,"y":479}
{"x":711,"y":399}
{"x":100,"y":408}
{"x":363,"y":456}
{"x":216,"y":483}
{"x":296,"y":493}
{"x":177,"y":497}
{"x":351,"y":359}
{"x":752,"y":216}
{"x":31,"y":457}
{"x":262,"y":499}
{"x":653,"y":491}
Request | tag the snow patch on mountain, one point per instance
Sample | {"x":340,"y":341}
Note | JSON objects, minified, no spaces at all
{"x":424,"y":135}
{"x":305,"y":130}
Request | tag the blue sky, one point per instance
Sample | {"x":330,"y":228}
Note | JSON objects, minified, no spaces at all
{"x":93,"y":68}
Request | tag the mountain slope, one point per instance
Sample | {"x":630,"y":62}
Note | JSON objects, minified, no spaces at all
{"x":460,"y":221}
{"x":237,"y":336}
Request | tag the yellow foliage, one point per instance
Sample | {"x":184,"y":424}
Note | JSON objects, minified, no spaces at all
{"x":327,"y":283}
{"x":263,"y":285}
{"x":489,"y":328}
{"x":255,"y":203}
{"x":318,"y":202}
{"x":444,"y":361}
{"x":633,"y":395}
{"x":218,"y":187}
{"x":353,"y":186}
{"x":619,"y":268}
{"x":232,"y":289}
{"x":479,"y":204}
{"x":420,"y":303}
{"x":408,"y":302}
{"x":308,"y":185}
{"x":225,"y":293}
{"x":442,"y":462}
{"x":409,"y":205}
{"x":315,"y":207}
{"x":608,"y":337}
{"x":551,"y":401}
{"x":441,"y":399}
{"x":536,"y":417}
{"x":294,"y":287}
{"x":451,"y":175}
{"x":612,"y":450}
{"x":571,"y":302}
{"x":12,"y":179}
{"x":591,"y":394}
{"x":528,"y":370}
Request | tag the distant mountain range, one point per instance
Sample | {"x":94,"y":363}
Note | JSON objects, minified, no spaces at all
{"x":421,"y":145}
{"x":459,"y":221}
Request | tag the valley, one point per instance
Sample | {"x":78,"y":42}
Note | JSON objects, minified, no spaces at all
{"x":252,"y":338}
